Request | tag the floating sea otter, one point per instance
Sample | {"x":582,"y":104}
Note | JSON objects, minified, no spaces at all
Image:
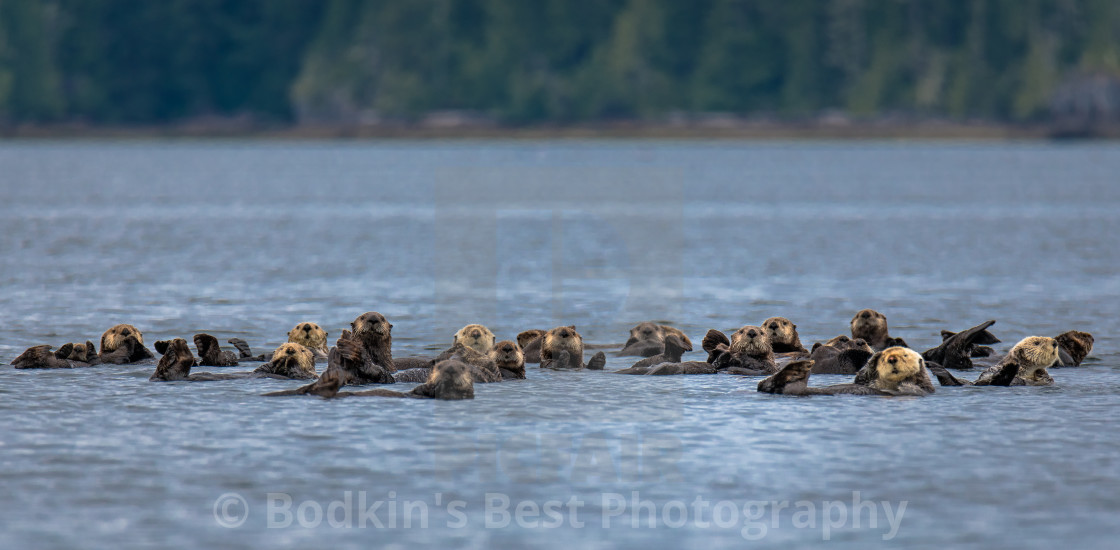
{"x":648,"y":339}
{"x":1024,"y":365}
{"x":894,"y":371}
{"x":449,"y":380}
{"x":562,"y":348}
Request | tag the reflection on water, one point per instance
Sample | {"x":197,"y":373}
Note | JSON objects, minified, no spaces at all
{"x":246,"y":239}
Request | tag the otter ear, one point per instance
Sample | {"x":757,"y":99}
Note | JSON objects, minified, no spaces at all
{"x":573,"y":327}
{"x":793,"y":325}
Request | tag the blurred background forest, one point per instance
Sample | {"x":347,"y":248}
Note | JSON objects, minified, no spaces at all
{"x":518,"y":62}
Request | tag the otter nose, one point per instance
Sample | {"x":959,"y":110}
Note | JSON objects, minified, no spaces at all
{"x":752,"y":333}
{"x":564,"y":334}
{"x":291,"y":351}
{"x":865,"y":315}
{"x":476,"y":333}
{"x":892,"y":360}
{"x":307,"y":328}
{"x":774,"y":325}
{"x":126,"y":332}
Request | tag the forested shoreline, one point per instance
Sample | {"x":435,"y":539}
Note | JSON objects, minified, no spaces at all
{"x":580,"y":63}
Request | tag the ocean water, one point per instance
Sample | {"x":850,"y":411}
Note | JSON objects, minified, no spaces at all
{"x":248,"y":238}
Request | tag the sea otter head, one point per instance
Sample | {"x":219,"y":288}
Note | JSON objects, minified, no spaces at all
{"x":563,"y":338}
{"x":115,"y":337}
{"x":781,"y":331}
{"x":294,"y":361}
{"x":476,"y":337}
{"x":1034,"y":353}
{"x":896,"y":365}
{"x":309,"y":335}
{"x":647,"y":331}
{"x":1077,"y":344}
{"x":372,"y":323}
{"x":869,"y":325}
{"x":526,"y":337}
{"x":82,"y":352}
{"x":507,"y":353}
{"x":750,"y":340}
{"x":451,"y":379}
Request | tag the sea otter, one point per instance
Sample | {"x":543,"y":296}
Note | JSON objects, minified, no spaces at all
{"x":783,"y":335}
{"x":1073,"y":347}
{"x":210,"y":354}
{"x":530,"y":342}
{"x":448,"y":380}
{"x":893,"y":377}
{"x":840,"y":355}
{"x":872,"y":326}
{"x":120,"y":336}
{"x":749,"y":352}
{"x":290,"y":362}
{"x":892,"y":356}
{"x":41,"y":357}
{"x":957,"y":350}
{"x":352,"y":357}
{"x":483,"y":368}
{"x":562,"y":348}
{"x":375,"y":334}
{"x":1024,"y":365}
{"x":674,"y":349}
{"x":307,"y":334}
{"x":509,"y":360}
{"x":475,"y":336}
{"x":648,"y":339}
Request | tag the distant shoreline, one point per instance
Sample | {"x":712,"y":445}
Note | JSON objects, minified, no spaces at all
{"x":721,"y":128}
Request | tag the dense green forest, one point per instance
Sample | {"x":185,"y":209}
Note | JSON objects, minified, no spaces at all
{"x":527,"y":61}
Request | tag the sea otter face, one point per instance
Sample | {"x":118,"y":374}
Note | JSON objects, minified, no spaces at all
{"x":506,"y":353}
{"x":476,"y":337}
{"x":780,"y":330}
{"x":82,"y":352}
{"x":869,"y":325}
{"x":115,"y":336}
{"x":896,"y":365}
{"x":293,"y":360}
{"x":750,"y":340}
{"x":309,"y":335}
{"x":647,"y":331}
{"x":526,"y":337}
{"x":451,"y":380}
{"x":1033,"y":353}
{"x":371,"y":322}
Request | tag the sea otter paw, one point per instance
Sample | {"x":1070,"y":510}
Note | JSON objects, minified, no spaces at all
{"x":598,"y":361}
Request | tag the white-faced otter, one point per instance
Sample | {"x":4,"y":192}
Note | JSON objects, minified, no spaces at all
{"x":119,"y":336}
{"x":1073,"y":347}
{"x":747,"y":353}
{"x":210,"y":354}
{"x":840,"y":355}
{"x":674,"y":349}
{"x":872,"y":326}
{"x":483,"y":368}
{"x":509,"y":360}
{"x":957,"y":350}
{"x":307,"y":334}
{"x":177,"y":361}
{"x":476,"y":337}
{"x":562,"y":348}
{"x":530,"y":342}
{"x":893,"y":377}
{"x":648,"y":339}
{"x":1024,"y":365}
{"x":783,"y":335}
{"x":890,"y":359}
{"x":290,"y":360}
{"x":448,"y":380}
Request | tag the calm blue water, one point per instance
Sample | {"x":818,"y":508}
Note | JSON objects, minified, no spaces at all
{"x":242,"y":238}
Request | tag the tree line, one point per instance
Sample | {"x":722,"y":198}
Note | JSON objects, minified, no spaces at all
{"x":544,"y":61}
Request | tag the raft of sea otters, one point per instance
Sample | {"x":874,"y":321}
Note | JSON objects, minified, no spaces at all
{"x":882,"y":364}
